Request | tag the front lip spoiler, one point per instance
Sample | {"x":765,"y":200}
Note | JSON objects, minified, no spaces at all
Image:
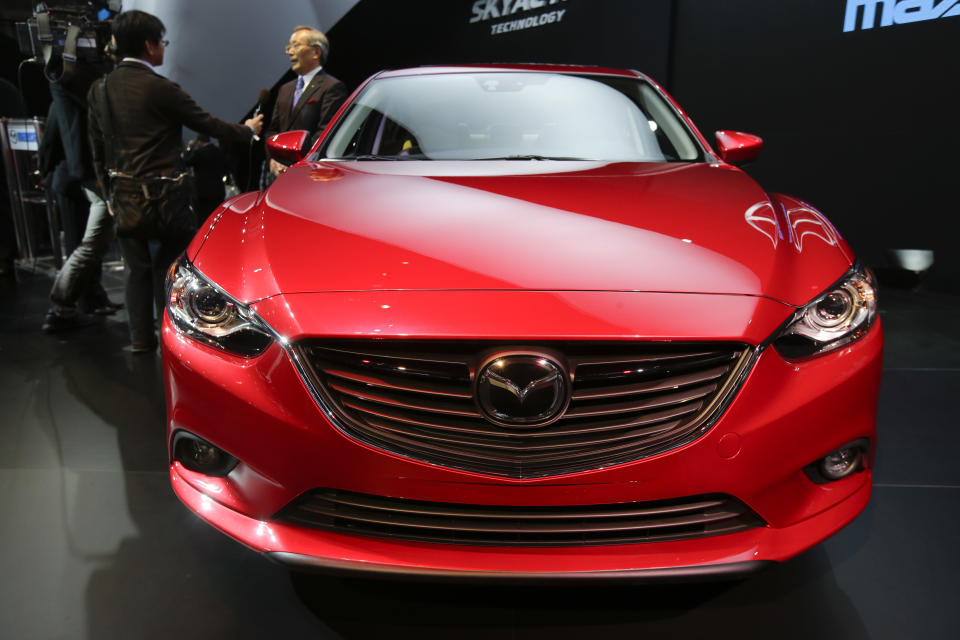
{"x":697,"y":573}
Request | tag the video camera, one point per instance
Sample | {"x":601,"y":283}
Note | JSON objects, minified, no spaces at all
{"x":67,"y":34}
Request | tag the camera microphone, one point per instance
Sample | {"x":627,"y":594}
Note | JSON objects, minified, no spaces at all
{"x":262,"y":98}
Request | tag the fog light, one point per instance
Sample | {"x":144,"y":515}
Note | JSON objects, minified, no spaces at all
{"x":199,"y":455}
{"x":841,"y":463}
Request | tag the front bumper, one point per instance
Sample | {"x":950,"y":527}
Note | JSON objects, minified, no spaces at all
{"x":785,"y":416}
{"x":713,"y":557}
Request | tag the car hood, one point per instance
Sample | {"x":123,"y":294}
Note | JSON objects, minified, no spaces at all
{"x":528,"y":225}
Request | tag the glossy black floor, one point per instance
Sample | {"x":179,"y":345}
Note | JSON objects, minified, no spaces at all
{"x":93,"y":543}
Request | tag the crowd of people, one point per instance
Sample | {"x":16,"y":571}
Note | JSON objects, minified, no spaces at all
{"x":114,"y":158}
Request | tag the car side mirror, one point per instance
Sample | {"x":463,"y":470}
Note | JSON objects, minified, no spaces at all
{"x":287,"y":147}
{"x":736,"y":146}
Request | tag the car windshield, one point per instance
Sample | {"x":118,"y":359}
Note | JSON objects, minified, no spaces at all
{"x":511,"y":116}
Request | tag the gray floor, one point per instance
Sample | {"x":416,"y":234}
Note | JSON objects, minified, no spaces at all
{"x":93,"y":543}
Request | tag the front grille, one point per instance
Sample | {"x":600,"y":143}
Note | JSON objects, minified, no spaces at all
{"x":469,"y":524}
{"x":629,"y":401}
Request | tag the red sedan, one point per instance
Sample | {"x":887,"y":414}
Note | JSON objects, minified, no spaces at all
{"x":521,"y":322}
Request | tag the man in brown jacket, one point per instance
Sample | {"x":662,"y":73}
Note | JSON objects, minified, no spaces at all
{"x":310,"y":101}
{"x":147,"y":114}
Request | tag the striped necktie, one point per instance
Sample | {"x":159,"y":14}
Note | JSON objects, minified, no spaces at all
{"x":297,"y":93}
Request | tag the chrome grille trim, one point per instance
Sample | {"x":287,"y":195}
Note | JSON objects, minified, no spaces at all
{"x":437,"y":406}
{"x":620,"y":408}
{"x":415,"y":398}
{"x":372,"y":381}
{"x":649,"y":387}
{"x":468,"y":524}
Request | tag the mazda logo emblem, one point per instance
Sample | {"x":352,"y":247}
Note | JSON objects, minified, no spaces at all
{"x":522,"y":390}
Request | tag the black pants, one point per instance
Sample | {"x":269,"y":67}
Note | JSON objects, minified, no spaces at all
{"x":147,"y":263}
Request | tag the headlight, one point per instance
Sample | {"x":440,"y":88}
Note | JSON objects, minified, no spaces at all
{"x":839,"y":316}
{"x":199,"y":309}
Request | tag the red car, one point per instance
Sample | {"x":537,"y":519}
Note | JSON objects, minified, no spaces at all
{"x":520,"y":322}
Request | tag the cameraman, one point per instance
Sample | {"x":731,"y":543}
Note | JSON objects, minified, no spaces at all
{"x":136,"y":137}
{"x":66,"y":165}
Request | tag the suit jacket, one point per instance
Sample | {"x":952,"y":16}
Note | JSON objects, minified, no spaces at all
{"x":65,"y":142}
{"x":317,"y":105}
{"x":209,"y":167}
{"x":148,"y":114}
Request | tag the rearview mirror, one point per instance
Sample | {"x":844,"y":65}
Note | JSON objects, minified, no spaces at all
{"x":736,"y":146}
{"x":287,"y":147}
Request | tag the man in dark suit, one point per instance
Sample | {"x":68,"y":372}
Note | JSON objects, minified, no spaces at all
{"x":147,"y":115}
{"x":310,"y":101}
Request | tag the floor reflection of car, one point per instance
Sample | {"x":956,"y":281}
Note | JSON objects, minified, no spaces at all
{"x":521,"y":322}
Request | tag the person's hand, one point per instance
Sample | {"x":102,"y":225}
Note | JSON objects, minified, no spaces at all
{"x":276,"y":168}
{"x":255,"y":123}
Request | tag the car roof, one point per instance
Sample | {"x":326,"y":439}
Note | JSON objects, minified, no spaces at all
{"x":510,"y":66}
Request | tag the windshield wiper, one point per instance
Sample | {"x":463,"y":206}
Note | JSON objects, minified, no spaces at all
{"x":373,"y":156}
{"x":534,"y":157}
{"x":368,"y":156}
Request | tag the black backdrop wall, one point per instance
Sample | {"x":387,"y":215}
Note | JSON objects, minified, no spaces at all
{"x":863,"y":124}
{"x":860,"y":123}
{"x":379,"y":34}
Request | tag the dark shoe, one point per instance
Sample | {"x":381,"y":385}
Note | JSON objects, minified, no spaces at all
{"x":54,"y":322}
{"x":143,"y":347}
{"x":108,"y":308}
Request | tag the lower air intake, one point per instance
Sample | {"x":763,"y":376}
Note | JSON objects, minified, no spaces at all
{"x":469,"y":524}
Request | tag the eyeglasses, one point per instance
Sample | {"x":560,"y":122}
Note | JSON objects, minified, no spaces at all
{"x":294,"y":47}
{"x":165,"y":43}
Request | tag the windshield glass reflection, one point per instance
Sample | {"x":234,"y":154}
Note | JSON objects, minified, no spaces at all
{"x":511,"y":116}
